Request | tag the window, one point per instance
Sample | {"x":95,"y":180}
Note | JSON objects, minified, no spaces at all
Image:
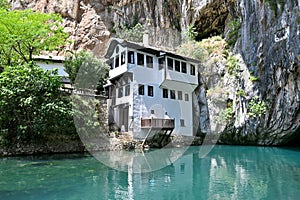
{"x":122,"y":58}
{"x":131,"y":57}
{"x":182,"y":122}
{"x":117,"y":62}
{"x":179,"y":96}
{"x":141,"y":89}
{"x":170,"y":64}
{"x":140,"y":58}
{"x":165,"y":93}
{"x":150,"y":91}
{"x":186,"y":97}
{"x":177,"y":66}
{"x":183,"y":67}
{"x":120,"y":92}
{"x":149,"y":60}
{"x":193,"y":70}
{"x":182,"y":167}
{"x":172,"y":94}
{"x":161,"y":62}
{"x":127,"y":90}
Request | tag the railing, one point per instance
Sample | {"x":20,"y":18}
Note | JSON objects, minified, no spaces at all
{"x":158,"y":123}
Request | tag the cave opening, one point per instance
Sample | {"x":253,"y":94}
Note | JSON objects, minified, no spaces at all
{"x":295,"y":140}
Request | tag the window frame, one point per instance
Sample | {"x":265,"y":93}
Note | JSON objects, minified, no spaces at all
{"x":182,"y":124}
{"x":150,"y":91}
{"x":186,"y":97}
{"x":161,"y":63}
{"x":149,"y":64}
{"x":177,"y":65}
{"x":192,"y":70}
{"x":130,"y":57}
{"x":141,"y":89}
{"x":179,"y":95}
{"x":139,"y":56}
{"x":168,"y":63}
{"x":165,"y":93}
{"x":172,"y":94}
{"x":183,"y":67}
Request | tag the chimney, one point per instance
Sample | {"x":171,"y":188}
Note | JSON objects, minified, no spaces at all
{"x":146,"y":38}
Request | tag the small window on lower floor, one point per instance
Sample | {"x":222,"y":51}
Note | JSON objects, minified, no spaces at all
{"x":141,"y":89}
{"x":165,"y":93}
{"x":186,"y":97}
{"x":182,"y":122}
{"x":179,"y":95}
{"x":150,"y":91}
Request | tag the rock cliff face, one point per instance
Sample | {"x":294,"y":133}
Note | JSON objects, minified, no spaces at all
{"x":86,"y":21}
{"x":269,"y":45}
{"x":263,"y":92}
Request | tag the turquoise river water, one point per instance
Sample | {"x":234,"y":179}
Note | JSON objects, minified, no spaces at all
{"x":227,"y":172}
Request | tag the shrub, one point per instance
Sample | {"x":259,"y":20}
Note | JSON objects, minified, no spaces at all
{"x":190,"y":33}
{"x":134,"y":34}
{"x":232,"y":66}
{"x":31,"y":103}
{"x":256,"y":107}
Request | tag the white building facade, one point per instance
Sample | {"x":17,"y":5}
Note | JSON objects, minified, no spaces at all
{"x":150,"y":89}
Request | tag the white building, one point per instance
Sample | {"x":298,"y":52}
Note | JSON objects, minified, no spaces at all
{"x":150,"y":89}
{"x":48,"y":63}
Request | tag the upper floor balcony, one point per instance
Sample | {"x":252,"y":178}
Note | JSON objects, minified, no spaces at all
{"x":178,"y":73}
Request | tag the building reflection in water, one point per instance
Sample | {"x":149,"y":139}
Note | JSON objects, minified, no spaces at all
{"x":226,"y":173}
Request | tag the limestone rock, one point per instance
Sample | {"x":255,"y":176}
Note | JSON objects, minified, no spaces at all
{"x":83,"y":20}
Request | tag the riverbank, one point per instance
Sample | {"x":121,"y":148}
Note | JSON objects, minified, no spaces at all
{"x":67,"y":144}
{"x":49,"y":145}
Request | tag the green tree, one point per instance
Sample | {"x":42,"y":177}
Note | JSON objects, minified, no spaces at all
{"x":31,"y":103}
{"x":95,"y":71}
{"x":4,"y":4}
{"x":24,"y":33}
